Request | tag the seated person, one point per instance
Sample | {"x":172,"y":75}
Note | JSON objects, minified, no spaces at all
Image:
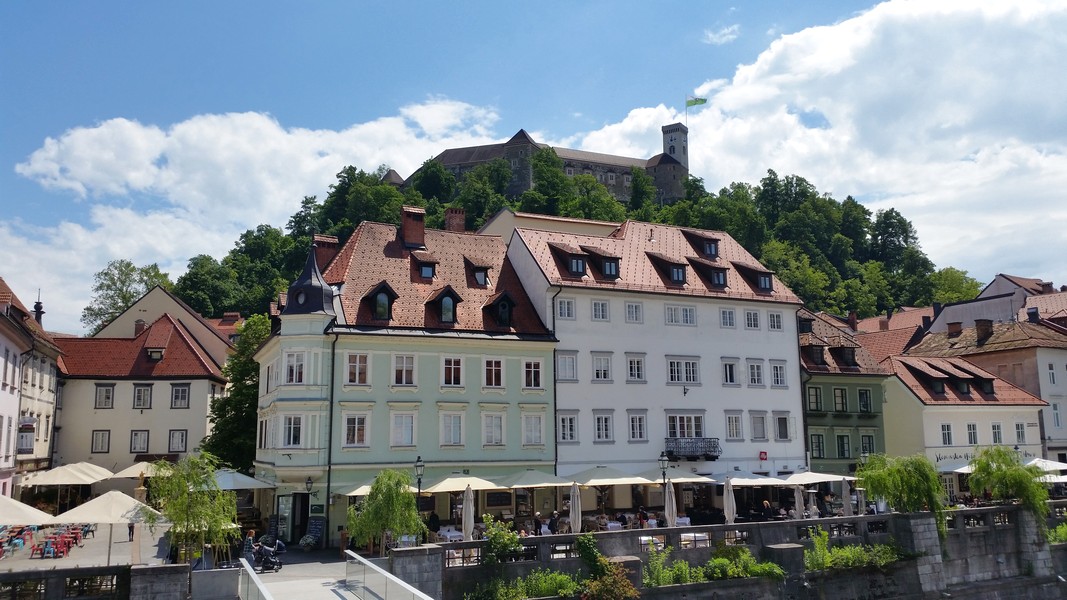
{"x":621,"y":518}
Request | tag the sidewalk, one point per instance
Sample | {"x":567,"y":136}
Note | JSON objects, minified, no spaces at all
{"x":148,"y":548}
{"x":308,"y":575}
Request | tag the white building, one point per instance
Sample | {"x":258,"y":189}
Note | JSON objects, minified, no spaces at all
{"x":670,"y":340}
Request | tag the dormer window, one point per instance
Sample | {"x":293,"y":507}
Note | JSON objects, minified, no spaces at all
{"x":383,"y":306}
{"x":817,"y":356}
{"x":711,"y":248}
{"x":444,"y":302}
{"x":963,"y":387}
{"x":678,"y":274}
{"x":576,"y":265}
{"x":764,"y":282}
{"x":448,"y":309}
{"x":481,"y":277}
{"x":938,"y":386}
{"x":987,"y":386}
{"x":426,"y":270}
{"x":848,"y":356}
{"x":155,"y":354}
{"x":718,"y":278}
{"x":610,"y":267}
{"x":503,"y":313}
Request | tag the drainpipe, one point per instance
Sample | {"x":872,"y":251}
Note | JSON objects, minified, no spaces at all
{"x":329,"y":435}
{"x":555,"y":385}
{"x":18,"y":415}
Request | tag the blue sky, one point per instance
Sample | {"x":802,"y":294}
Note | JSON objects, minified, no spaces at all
{"x":158,"y":131}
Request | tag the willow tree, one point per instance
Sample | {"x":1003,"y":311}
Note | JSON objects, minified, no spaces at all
{"x":187,"y":495}
{"x":390,"y":506}
{"x":907,"y":483}
{"x":999,"y":470}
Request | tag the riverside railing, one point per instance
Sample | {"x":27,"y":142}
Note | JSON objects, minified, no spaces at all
{"x":249,"y":585}
{"x":370,"y":582}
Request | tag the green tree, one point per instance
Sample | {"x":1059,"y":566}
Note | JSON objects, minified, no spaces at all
{"x":550,"y":182}
{"x":116,"y":287}
{"x":794,"y":268}
{"x":856,"y":226}
{"x":907,"y":483}
{"x":233,"y":415}
{"x":188,"y":496}
{"x":264,"y":259}
{"x":481,"y":192}
{"x":209,"y":287}
{"x":433,"y":180}
{"x":591,"y":200}
{"x":891,"y":234}
{"x":953,"y":285}
{"x":734,"y":211}
{"x":999,"y":470}
{"x":390,"y":506}
{"x":643,"y":189}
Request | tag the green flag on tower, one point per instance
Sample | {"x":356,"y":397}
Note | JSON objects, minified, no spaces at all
{"x":694,"y":101}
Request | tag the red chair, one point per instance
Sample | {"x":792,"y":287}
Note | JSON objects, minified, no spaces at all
{"x":37,"y":548}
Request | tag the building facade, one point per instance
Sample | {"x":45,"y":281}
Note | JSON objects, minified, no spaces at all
{"x":411,"y":343}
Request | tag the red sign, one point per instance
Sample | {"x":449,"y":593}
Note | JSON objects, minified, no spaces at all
{"x":763,"y":456}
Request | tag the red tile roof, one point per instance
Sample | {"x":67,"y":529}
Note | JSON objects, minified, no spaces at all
{"x":228,"y":324}
{"x":1049,"y":306}
{"x":126,"y":358}
{"x":375,"y":254}
{"x":1003,"y":337}
{"x":883,"y":344}
{"x":918,"y":372}
{"x":639,"y":245}
{"x":907,"y":317}
{"x":826,"y":332}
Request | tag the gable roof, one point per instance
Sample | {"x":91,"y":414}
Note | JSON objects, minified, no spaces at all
{"x":918,"y":373}
{"x":638,"y":245}
{"x":25,"y":318}
{"x":127,"y":358}
{"x":1004,"y":336}
{"x":1049,"y":306}
{"x":883,"y":344}
{"x":905,"y":317}
{"x":375,"y":254}
{"x":826,"y":333}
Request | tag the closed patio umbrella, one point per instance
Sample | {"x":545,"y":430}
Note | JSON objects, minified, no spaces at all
{"x":846,"y":498}
{"x":670,"y":508}
{"x":468,"y":514}
{"x":798,"y":500}
{"x":576,"y":508}
{"x":729,"y":505}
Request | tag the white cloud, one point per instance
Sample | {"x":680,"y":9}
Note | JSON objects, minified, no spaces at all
{"x":722,"y":36}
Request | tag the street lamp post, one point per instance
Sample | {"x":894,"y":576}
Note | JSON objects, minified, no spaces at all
{"x":663,"y":460}
{"x":420,"y":468}
{"x":309,"y":484}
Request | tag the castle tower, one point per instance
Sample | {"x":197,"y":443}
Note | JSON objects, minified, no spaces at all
{"x":676,"y":143}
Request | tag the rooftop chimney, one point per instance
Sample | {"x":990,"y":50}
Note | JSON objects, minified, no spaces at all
{"x":138,"y":327}
{"x":983,"y":328}
{"x":1046,"y":287}
{"x":883,"y":324}
{"x":853,"y":320}
{"x":1033,"y":315}
{"x":926,"y":322}
{"x":455,"y":219}
{"x":954,"y":328}
{"x":413,"y":227}
{"x":326,"y":247}
{"x":937,"y":309}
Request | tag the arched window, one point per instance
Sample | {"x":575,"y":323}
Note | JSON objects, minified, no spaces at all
{"x":448,"y":310}
{"x":381,"y":306}
{"x":503,"y":313}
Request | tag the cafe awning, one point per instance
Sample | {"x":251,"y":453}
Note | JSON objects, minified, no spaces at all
{"x":674,"y":475}
{"x":602,"y":475}
{"x":457,"y":483}
{"x":532,"y":478}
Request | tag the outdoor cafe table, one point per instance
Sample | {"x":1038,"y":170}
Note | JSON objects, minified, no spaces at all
{"x":451,"y":535}
{"x":614,"y":526}
{"x":682,"y":522}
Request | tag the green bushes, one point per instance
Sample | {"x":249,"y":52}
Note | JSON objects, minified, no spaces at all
{"x":821,"y":557}
{"x":1058,"y":535}
{"x":541,"y":583}
{"x":727,"y":562}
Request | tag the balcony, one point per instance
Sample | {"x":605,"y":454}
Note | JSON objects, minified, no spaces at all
{"x":692,"y":448}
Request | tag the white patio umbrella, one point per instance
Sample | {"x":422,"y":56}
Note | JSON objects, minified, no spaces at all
{"x":746,"y":479}
{"x":228,"y":479}
{"x":82,"y":473}
{"x":110,"y":508}
{"x":811,"y":478}
{"x":846,"y":498}
{"x":729,"y":505}
{"x":1053,"y":478}
{"x":457,"y":482}
{"x":601,"y":475}
{"x":674,"y":474}
{"x":13,"y":512}
{"x":532,"y":478}
{"x":1047,"y":465}
{"x":468,"y":514}
{"x":670,"y":508}
{"x":576,"y":508}
{"x":134,"y":471}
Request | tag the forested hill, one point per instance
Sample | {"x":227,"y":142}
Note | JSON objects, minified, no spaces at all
{"x":836,"y":255}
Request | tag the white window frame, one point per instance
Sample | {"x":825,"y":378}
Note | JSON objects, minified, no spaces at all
{"x":178,"y":440}
{"x":946,"y":434}
{"x":779,"y":376}
{"x":1020,"y":433}
{"x":533,"y":429}
{"x":400,"y":423}
{"x":565,"y":309}
{"x":758,"y":425}
{"x":635,"y":368}
{"x":751,"y":319}
{"x":754,"y":371}
{"x":533,"y":374}
{"x":180,"y":395}
{"x":683,"y":370}
{"x":567,"y":428}
{"x":494,"y":429}
{"x":603,"y":427}
{"x":600,"y":310}
{"x":566,"y":366}
{"x":729,"y":372}
{"x":403,"y":372}
{"x":358,"y":368}
{"x":635,"y":312}
{"x":450,"y":437}
{"x":775,"y":321}
{"x":139,"y":441}
{"x":972,"y":434}
{"x":493,"y":372}
{"x":727,"y":318}
{"x":105,"y":397}
{"x":680,"y":315}
{"x":735,"y":427}
{"x":350,"y":422}
{"x":142,"y":397}
{"x":601,"y":364}
{"x":998,"y":433}
{"x":294,"y":362}
{"x":452,"y":371}
{"x":638,"y":426}
{"x":293,"y":431}
{"x":101,"y":441}
{"x":782,"y":423}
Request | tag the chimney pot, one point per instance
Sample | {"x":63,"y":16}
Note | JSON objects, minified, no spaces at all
{"x":883,"y":324}
{"x":853,"y":320}
{"x":455,"y":219}
{"x":955,"y":327}
{"x":138,"y":326}
{"x":1033,"y":315}
{"x":984,"y":328}
{"x":413,"y":227}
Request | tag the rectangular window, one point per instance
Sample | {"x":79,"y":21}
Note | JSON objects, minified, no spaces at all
{"x":292,"y":430}
{"x":946,"y":434}
{"x":402,"y":430}
{"x":681,"y":315}
{"x":734,"y":431}
{"x":759,"y":426}
{"x":610,"y":268}
{"x":755,"y":373}
{"x":751,"y":319}
{"x":403,"y":369}
{"x":764,"y":282}
{"x":179,"y":395}
{"x":635,"y":368}
{"x":726,"y":318}
{"x":729,"y":372}
{"x":142,"y":397}
{"x":1056,"y":415}
{"x":493,"y":429}
{"x":356,"y":430}
{"x":683,"y":370}
{"x":533,"y":429}
{"x":867,"y":444}
{"x":565,"y":308}
{"x":818,"y":445}
{"x":864,"y":400}
{"x":600,"y":310}
{"x":774,"y":321}
{"x":452,"y":429}
{"x":531,"y":370}
{"x":453,"y":371}
{"x":101,"y":440}
{"x":605,"y":431}
{"x":840,"y":400}
{"x":567,"y":367}
{"x":638,"y":428}
{"x":781,"y":429}
{"x":998,"y":434}
{"x":294,"y":367}
{"x":358,"y":369}
{"x":686,"y":426}
{"x":635,"y":312}
{"x":814,"y":398}
{"x":844,"y":446}
{"x":778,"y":378}
{"x":677,"y":274}
{"x":494,"y":373}
{"x":568,"y":428}
{"x":177,"y":440}
{"x":1020,"y":433}
{"x":105,"y":396}
{"x":139,"y":441}
{"x":718,"y":278}
{"x":577,"y":265}
{"x":972,"y":434}
{"x":1051,"y":374}
{"x":601,"y":367}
